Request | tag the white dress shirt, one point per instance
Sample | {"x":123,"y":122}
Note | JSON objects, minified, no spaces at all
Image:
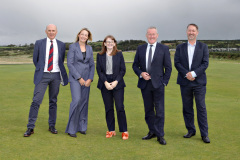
{"x":191,"y":49}
{"x":147,"y":52}
{"x":55,"y":56}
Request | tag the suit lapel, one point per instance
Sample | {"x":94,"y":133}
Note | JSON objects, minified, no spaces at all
{"x":44,"y":46}
{"x":185,"y":48}
{"x":185,"y":51}
{"x":59,"y":50}
{"x":195,"y":52}
{"x":87,"y":52}
{"x":156,"y":52}
{"x":79,"y":52}
{"x":144,"y":55}
{"x":114,"y":59}
{"x":104,"y":62}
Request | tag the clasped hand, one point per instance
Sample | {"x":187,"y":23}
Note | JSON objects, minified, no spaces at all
{"x":145,"y":76}
{"x":86,"y":83}
{"x":111,"y":86}
{"x":189,"y":76}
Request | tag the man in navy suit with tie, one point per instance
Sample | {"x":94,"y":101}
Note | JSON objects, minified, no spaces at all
{"x":48,"y":58}
{"x":191,"y":60}
{"x":152,"y":64}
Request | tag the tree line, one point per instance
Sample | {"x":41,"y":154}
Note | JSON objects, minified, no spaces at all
{"x":126,"y":45}
{"x":229,"y":49}
{"x":211,"y":43}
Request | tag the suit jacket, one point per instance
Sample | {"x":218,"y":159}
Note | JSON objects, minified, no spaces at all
{"x":161,"y":66}
{"x":119,"y":70}
{"x":39,"y":56}
{"x":79,"y":68}
{"x":199,"y":63}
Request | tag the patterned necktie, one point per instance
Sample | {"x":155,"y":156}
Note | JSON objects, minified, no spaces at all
{"x":50,"y":58}
{"x":149,"y":59}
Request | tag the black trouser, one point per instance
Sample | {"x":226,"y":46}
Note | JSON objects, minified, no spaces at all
{"x":109,"y":96}
{"x":188,"y":93}
{"x":153,"y":99}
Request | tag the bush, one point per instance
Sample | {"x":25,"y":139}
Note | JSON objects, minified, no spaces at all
{"x":225,"y":55}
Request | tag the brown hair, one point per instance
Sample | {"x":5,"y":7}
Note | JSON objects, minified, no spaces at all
{"x":89,"y":35}
{"x":104,"y":48}
{"x":192,"y":24}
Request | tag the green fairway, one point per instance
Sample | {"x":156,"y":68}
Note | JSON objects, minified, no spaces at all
{"x":223,"y":107}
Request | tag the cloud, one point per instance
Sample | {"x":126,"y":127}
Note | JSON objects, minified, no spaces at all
{"x":25,"y":21}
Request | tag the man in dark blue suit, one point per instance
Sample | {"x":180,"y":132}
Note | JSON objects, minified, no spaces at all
{"x":191,"y":60}
{"x":152,"y":64}
{"x":48,"y":58}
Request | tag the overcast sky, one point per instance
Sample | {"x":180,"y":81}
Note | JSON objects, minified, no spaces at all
{"x":24,"y":21}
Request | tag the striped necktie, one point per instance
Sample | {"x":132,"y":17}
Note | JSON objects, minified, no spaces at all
{"x":50,"y":58}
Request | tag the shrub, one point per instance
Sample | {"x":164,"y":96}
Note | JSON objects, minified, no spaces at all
{"x":225,"y":55}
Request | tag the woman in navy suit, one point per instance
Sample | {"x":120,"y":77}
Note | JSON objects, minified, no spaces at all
{"x":111,"y":69}
{"x":81,"y":71}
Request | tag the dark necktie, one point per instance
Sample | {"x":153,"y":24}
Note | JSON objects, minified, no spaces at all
{"x":149,"y":59}
{"x":50,"y":58}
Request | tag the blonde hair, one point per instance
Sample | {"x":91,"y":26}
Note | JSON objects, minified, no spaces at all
{"x":89,"y":35}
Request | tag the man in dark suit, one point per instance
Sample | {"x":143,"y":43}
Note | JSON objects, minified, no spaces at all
{"x":191,"y":60}
{"x":48,"y":58}
{"x":152,"y":64}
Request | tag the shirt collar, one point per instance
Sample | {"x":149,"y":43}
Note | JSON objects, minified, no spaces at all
{"x":54,"y":40}
{"x":154,"y":44}
{"x":194,"y":45}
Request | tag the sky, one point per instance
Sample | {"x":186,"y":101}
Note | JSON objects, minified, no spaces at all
{"x":25,"y":21}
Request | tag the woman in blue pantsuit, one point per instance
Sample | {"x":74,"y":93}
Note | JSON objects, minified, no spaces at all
{"x":111,"y":69}
{"x":81,"y":67}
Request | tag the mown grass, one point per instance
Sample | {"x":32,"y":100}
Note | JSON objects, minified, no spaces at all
{"x":222,"y":99}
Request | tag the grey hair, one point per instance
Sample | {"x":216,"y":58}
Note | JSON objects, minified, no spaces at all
{"x":152,"y":27}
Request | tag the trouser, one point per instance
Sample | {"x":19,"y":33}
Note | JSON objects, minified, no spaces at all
{"x":53,"y":81}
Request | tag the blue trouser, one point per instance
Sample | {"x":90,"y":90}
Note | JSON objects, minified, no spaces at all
{"x":78,"y":113}
{"x":53,"y":81}
{"x":188,"y":93}
{"x":153,"y":99}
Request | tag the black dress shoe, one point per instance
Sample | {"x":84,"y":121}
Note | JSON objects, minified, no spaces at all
{"x":72,"y":135}
{"x":150,"y":135}
{"x":28,"y":132}
{"x":206,"y":139}
{"x":53,"y":130}
{"x":189,"y":135}
{"x":161,"y":140}
{"x":83,"y":132}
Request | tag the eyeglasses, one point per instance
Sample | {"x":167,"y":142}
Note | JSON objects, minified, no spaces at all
{"x":109,"y":42}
